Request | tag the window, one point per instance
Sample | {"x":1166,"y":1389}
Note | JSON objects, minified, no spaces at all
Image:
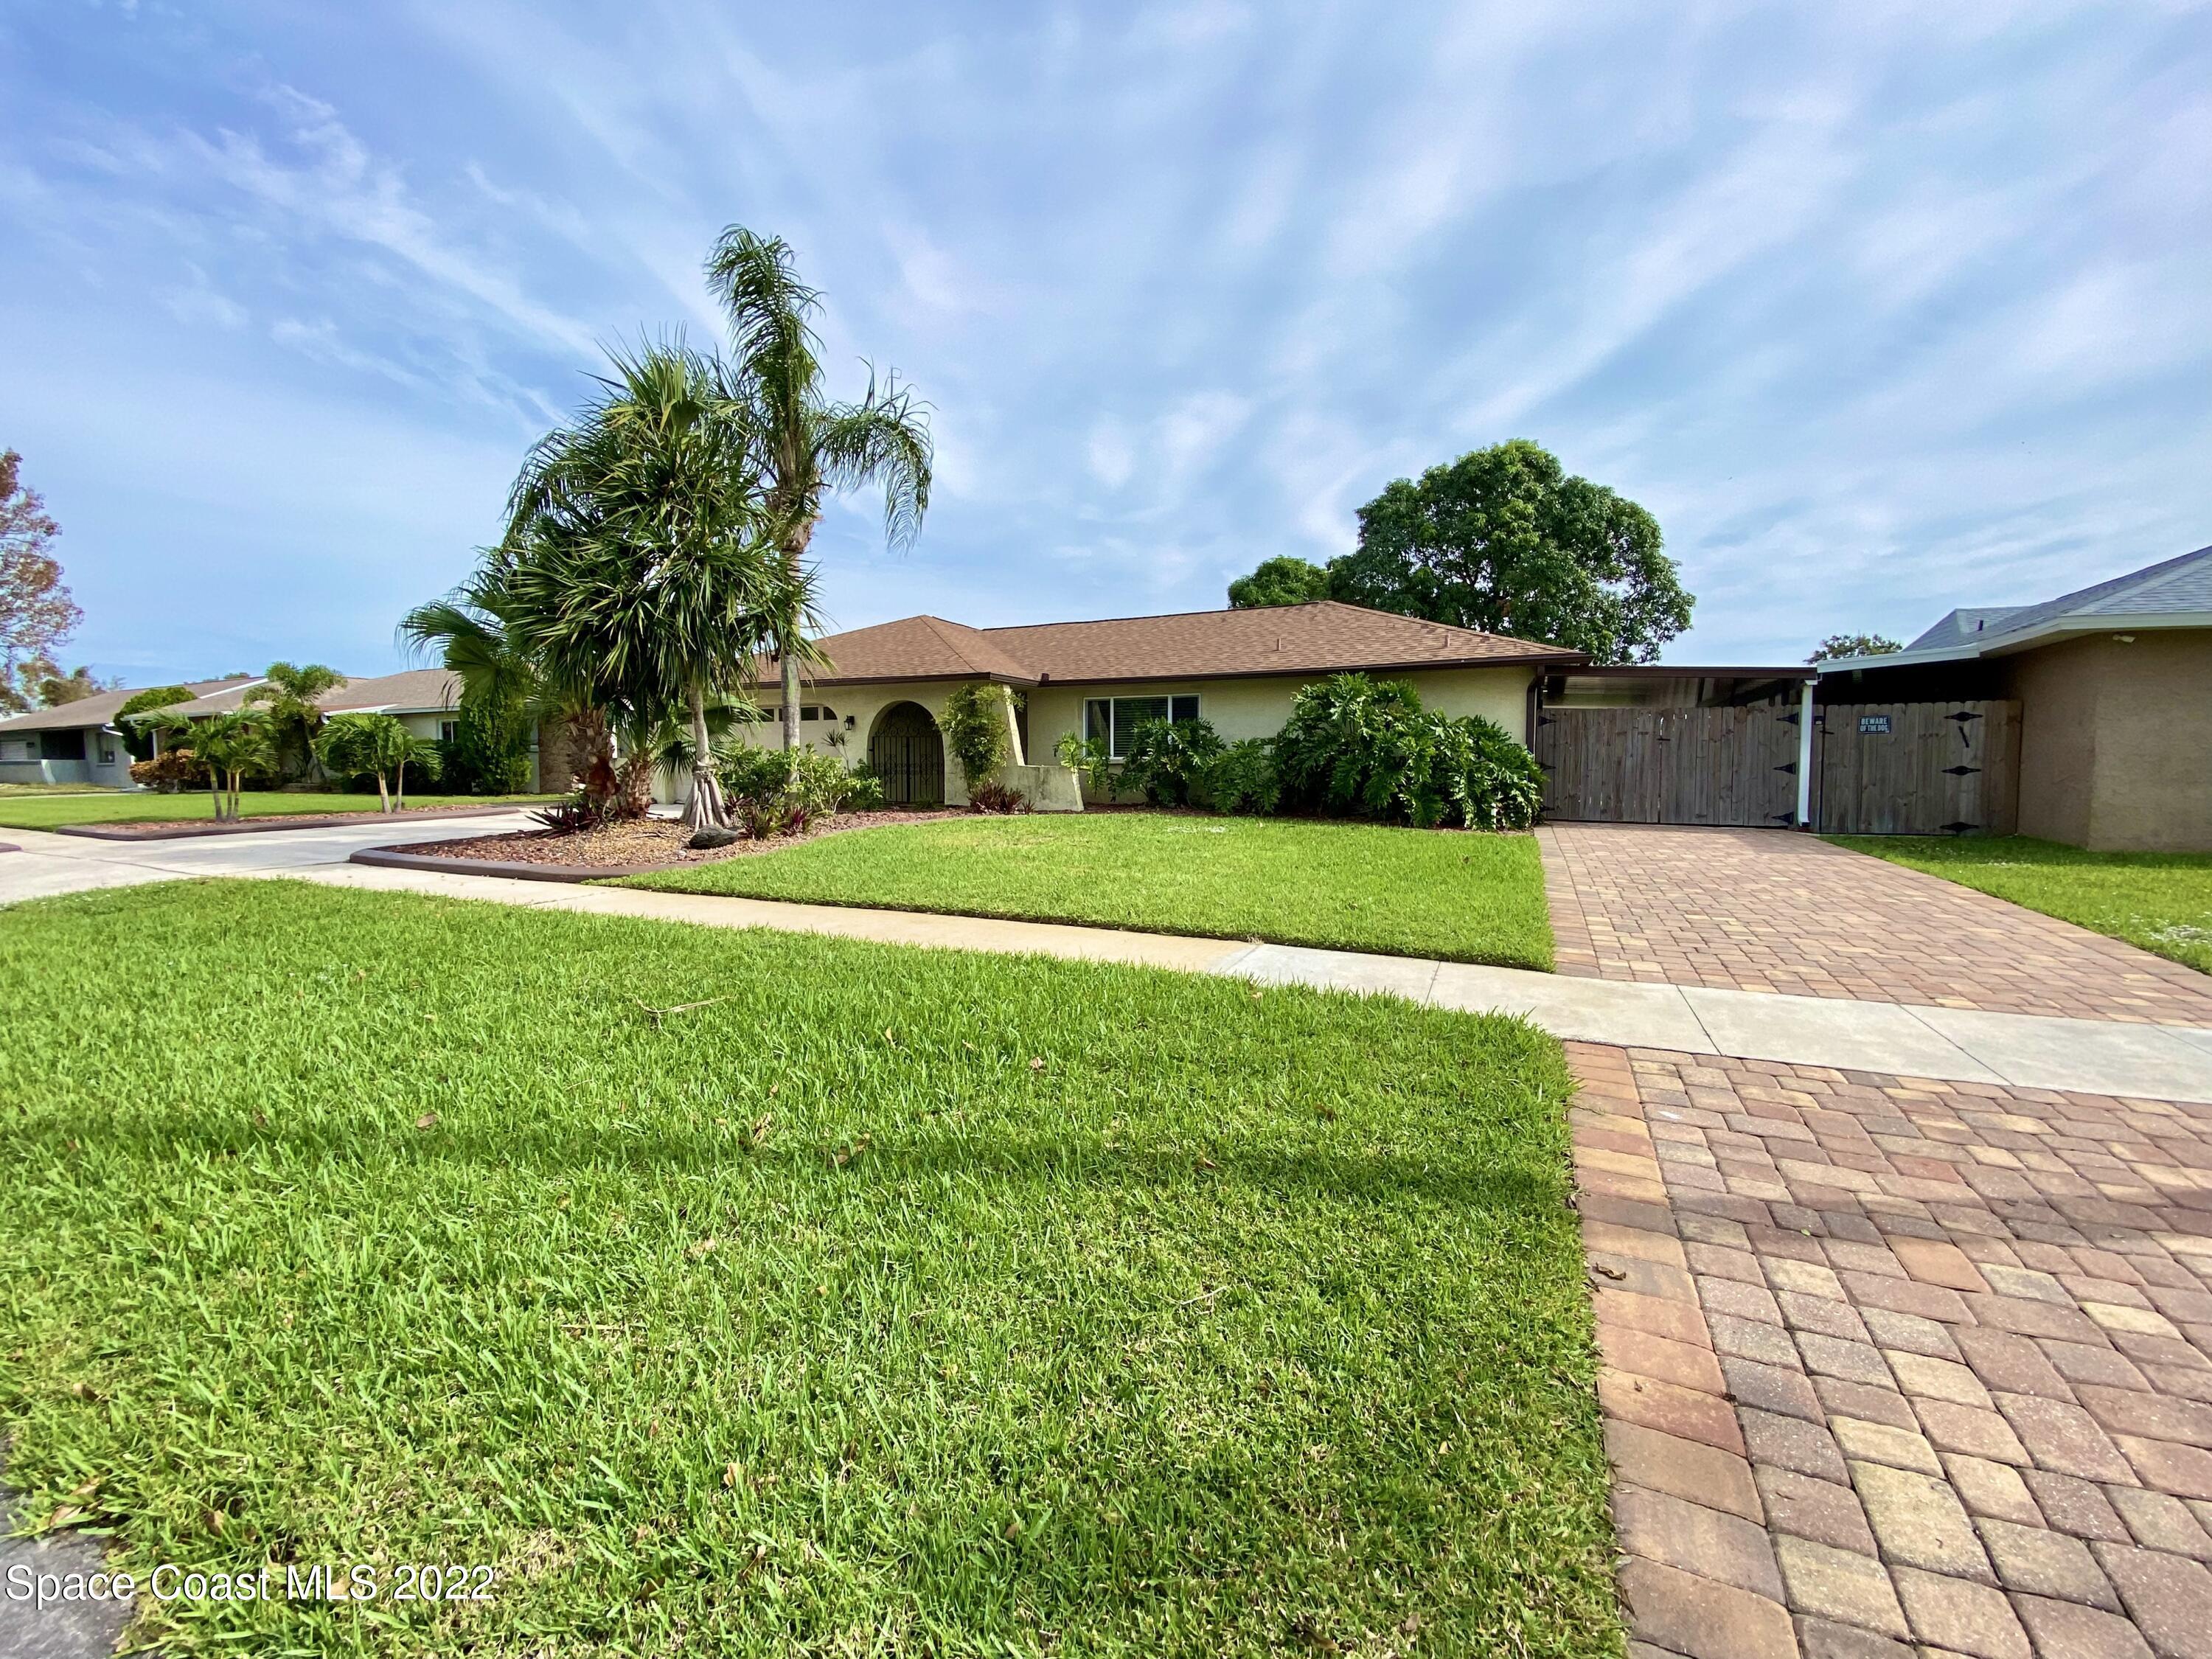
{"x":106,"y":755}
{"x":449,"y":731}
{"x":1116,"y":719}
{"x":810,"y":711}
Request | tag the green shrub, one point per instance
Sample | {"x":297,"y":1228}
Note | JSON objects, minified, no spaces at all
{"x":771,"y":785}
{"x":867,"y":791}
{"x":138,"y":738}
{"x":976,"y":727}
{"x":1367,"y":748}
{"x":489,"y":754}
{"x":1240,"y":780}
{"x":1165,"y":757}
{"x":1088,"y":755}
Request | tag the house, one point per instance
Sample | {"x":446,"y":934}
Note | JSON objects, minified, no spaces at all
{"x":882,"y":693}
{"x":78,"y":742}
{"x":2113,"y":684}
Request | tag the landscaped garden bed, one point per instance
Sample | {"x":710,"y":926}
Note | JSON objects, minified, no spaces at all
{"x":756,"y":1293}
{"x":626,"y":843}
{"x":2161,"y":902}
{"x":1457,"y":894}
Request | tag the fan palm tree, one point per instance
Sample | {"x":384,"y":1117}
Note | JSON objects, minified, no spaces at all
{"x":802,"y":444}
{"x":639,"y":565}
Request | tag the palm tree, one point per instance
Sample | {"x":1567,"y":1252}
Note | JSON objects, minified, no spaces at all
{"x":379,"y":744}
{"x":639,"y":566}
{"x":228,"y":744}
{"x":468,"y":632}
{"x":291,"y":693}
{"x":802,"y":444}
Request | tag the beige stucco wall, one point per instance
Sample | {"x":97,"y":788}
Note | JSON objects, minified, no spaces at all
{"x":1237,"y":709}
{"x":2115,"y":741}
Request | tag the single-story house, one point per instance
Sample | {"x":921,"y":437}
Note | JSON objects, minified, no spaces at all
{"x":2114,"y":688}
{"x":882,"y":693}
{"x":78,"y":743}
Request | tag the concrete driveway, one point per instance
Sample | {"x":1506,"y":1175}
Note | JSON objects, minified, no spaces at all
{"x":47,"y":864}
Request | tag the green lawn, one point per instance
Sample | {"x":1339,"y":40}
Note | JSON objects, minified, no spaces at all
{"x":894,"y":1300}
{"x":8,"y":790}
{"x":141,"y":807}
{"x":2160,"y":901}
{"x":1349,"y":886}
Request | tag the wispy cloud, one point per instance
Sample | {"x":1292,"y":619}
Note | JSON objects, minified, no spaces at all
{"x":1881,"y":309}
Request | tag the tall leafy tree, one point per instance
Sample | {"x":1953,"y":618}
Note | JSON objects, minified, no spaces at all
{"x":1854,"y":644}
{"x":1281,"y":581}
{"x":503,"y":690}
{"x":639,"y":564}
{"x":803,"y":444}
{"x":36,"y":611}
{"x":1502,"y":539}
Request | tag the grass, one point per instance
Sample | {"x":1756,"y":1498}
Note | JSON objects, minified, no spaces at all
{"x":884,"y":1300}
{"x":143,"y":806}
{"x":2160,"y":901}
{"x":1346,"y":886}
{"x":7,"y":790}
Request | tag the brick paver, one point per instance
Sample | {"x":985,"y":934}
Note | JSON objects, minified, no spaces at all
{"x":1896,"y":1368}
{"x":1773,"y":910}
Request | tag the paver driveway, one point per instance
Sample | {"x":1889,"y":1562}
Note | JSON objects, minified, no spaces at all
{"x":1897,"y":1365}
{"x":1773,"y":910}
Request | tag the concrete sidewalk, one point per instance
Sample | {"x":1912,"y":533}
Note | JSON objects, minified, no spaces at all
{"x":2161,"y":1062}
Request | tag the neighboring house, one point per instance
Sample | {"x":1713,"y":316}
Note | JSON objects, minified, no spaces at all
{"x":78,"y":743}
{"x":426,"y":701}
{"x":2114,"y":684}
{"x":882,"y":693}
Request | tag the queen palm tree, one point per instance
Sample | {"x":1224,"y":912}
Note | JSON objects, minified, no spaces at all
{"x":639,"y":565}
{"x":229,"y":745}
{"x":802,"y":444}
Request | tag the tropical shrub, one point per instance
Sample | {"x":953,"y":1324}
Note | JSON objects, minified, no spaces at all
{"x":231,"y":746}
{"x":975,"y":724}
{"x":1164,"y":758}
{"x":867,"y":790}
{"x":1239,"y":780}
{"x":489,"y":754}
{"x":1368,"y":748}
{"x":577,"y":810}
{"x":1089,"y":757}
{"x":820,"y":783}
{"x":171,"y":770}
{"x":991,"y":796}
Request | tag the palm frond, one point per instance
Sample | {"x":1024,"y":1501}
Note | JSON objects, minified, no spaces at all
{"x":883,"y":438}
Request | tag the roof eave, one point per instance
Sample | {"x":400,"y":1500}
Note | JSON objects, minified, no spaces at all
{"x":2047,"y":633}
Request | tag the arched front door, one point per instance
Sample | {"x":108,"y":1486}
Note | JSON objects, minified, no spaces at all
{"x":908,"y":753}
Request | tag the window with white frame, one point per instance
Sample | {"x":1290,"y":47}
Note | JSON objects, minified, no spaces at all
{"x":1116,"y":719}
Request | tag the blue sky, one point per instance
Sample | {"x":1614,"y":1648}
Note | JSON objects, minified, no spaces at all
{"x":1880,"y":309}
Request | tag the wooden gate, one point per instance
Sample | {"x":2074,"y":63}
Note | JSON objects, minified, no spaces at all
{"x":1711,"y":766}
{"x":1918,"y":768}
{"x":908,"y":753}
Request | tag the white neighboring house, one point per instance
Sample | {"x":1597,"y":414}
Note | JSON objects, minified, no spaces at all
{"x":78,"y":743}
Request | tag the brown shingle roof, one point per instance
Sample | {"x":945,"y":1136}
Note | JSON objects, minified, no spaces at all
{"x":99,"y":708}
{"x":1325,"y":637}
{"x":415,"y":690}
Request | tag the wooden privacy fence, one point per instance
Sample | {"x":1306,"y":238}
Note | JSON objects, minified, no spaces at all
{"x":1917,"y":768}
{"x":1886,"y":769}
{"x":1714,"y":766}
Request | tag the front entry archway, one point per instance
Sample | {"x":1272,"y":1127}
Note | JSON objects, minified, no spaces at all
{"x":907,"y":751}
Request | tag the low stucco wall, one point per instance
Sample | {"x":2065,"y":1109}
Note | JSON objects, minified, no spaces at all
{"x":2115,"y":741}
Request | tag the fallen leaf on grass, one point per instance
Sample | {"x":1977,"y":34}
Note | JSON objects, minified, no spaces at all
{"x":657,"y":1015}
{"x":701,"y":1249}
{"x":428,"y":1121}
{"x":1037,"y":1065}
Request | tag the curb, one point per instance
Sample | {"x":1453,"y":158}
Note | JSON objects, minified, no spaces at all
{"x":392,"y":858}
{"x":271,"y":825}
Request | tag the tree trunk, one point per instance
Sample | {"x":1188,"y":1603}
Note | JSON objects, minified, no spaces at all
{"x":214,"y":790}
{"x":794,"y":550}
{"x":383,"y":795}
{"x":399,"y":787}
{"x":705,"y":810}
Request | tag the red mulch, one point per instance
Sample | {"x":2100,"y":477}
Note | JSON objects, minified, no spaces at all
{"x":640,"y":841}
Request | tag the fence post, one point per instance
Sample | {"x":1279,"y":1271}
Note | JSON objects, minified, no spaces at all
{"x":1805,"y":758}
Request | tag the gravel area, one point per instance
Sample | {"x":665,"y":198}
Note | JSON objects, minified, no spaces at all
{"x":642,"y":841}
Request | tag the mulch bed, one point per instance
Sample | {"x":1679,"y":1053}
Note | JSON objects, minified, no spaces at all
{"x":655,"y":843}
